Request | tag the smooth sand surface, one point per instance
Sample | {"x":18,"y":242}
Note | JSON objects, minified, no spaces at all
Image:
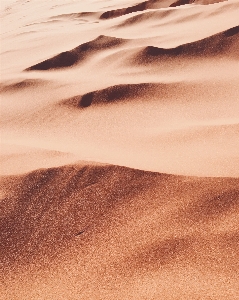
{"x":119,"y":149}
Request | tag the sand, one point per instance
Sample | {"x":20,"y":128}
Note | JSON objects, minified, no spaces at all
{"x":119,"y":149}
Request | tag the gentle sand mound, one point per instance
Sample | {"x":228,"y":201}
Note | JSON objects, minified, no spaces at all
{"x":21,"y":85}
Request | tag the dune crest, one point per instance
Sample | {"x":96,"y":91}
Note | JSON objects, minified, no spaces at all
{"x":225,"y":43}
{"x":78,"y":54}
{"x":21,"y":85}
{"x":115,"y":93}
{"x":152,"y":4}
{"x":201,"y":2}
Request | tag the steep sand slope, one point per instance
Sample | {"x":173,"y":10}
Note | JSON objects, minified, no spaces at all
{"x":107,"y":232}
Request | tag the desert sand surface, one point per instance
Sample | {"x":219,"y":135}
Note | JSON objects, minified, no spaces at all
{"x":119,"y":150}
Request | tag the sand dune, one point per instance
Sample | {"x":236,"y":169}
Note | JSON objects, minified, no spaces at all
{"x":193,"y":24}
{"x":151,"y":4}
{"x":81,"y":16}
{"x":119,"y":150}
{"x":21,"y":85}
{"x":78,"y":54}
{"x":223,"y":43}
{"x":116,"y":93}
{"x":120,"y":223}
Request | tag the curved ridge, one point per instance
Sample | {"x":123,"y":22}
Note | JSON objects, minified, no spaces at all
{"x":21,"y":85}
{"x":120,"y":92}
{"x":78,"y":54}
{"x":226,"y":42}
{"x":44,"y":210}
{"x":151,"y":4}
{"x":202,"y":2}
{"x":79,"y":15}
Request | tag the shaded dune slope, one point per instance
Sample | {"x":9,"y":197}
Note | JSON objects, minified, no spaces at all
{"x":152,"y":4}
{"x":78,"y":54}
{"x":226,"y":42}
{"x":156,"y":18}
{"x":145,"y":17}
{"x":45,"y":211}
{"x":117,"y":93}
{"x":202,"y":2}
{"x":21,"y":85}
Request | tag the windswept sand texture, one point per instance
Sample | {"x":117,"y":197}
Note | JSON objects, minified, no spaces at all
{"x":119,"y":150}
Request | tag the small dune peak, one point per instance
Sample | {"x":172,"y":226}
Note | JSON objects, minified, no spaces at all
{"x":104,"y":42}
{"x":113,"y":94}
{"x":21,"y":85}
{"x":110,"y":94}
{"x":100,"y":37}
